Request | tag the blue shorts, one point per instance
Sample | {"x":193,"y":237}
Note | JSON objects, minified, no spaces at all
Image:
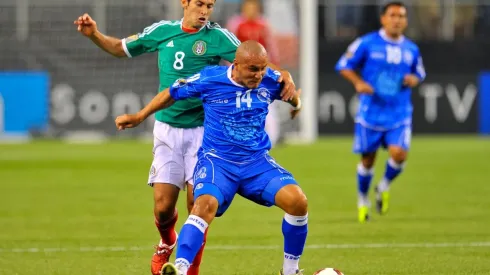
{"x":258,"y":180}
{"x":368,"y":140}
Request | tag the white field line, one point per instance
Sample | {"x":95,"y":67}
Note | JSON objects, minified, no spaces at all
{"x":247,"y":247}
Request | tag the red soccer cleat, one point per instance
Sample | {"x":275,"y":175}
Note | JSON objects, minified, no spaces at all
{"x":161,"y":257}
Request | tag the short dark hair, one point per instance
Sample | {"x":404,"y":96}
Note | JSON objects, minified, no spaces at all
{"x":188,"y":1}
{"x":385,"y":8}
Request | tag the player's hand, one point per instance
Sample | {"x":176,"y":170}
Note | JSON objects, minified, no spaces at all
{"x":128,"y":121}
{"x":86,"y":25}
{"x":363,"y":88}
{"x":289,"y":88}
{"x":411,"y":80}
{"x":295,"y":111}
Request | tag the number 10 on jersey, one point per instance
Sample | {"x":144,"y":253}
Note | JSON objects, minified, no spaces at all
{"x":243,"y":97}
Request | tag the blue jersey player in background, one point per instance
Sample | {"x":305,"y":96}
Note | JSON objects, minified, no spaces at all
{"x":389,"y":65}
{"x":233,"y":158}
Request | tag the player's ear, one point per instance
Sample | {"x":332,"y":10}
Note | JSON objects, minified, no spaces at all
{"x":185,"y":3}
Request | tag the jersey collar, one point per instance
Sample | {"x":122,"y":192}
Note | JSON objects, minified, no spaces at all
{"x":228,"y":73}
{"x":385,"y":37}
{"x":182,"y":29}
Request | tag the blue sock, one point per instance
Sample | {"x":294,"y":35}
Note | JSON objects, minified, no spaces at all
{"x":190,"y":240}
{"x":294,"y":230}
{"x":393,"y":169}
{"x":364,"y":177}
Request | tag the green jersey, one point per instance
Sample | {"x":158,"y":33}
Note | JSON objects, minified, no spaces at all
{"x":180,"y":55}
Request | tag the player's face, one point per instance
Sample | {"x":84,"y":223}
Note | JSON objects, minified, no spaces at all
{"x":394,"y":21}
{"x":197,"y":12}
{"x":251,"y":71}
{"x":251,"y":10}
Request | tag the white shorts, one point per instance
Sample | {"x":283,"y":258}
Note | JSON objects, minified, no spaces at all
{"x":174,"y":154}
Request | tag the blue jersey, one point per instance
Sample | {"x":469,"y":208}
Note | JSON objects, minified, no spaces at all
{"x":234,"y":116}
{"x":383,"y":63}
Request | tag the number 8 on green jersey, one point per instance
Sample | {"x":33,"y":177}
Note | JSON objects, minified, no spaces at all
{"x":180,"y":55}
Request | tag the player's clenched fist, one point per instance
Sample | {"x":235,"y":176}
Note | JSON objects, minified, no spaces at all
{"x":411,"y":80}
{"x":128,"y":121}
{"x":86,"y":25}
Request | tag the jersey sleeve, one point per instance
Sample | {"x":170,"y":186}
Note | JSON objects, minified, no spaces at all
{"x":418,"y":66}
{"x":228,"y":44}
{"x":353,"y":58}
{"x":146,"y":41}
{"x":275,"y":87}
{"x":186,"y":88}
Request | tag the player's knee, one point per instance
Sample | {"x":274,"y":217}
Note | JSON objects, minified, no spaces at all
{"x":164,"y":211}
{"x":367,"y":160}
{"x":164,"y":207}
{"x":205,"y":207}
{"x":165,"y":197}
{"x":398,"y":155}
{"x":292,"y":200}
{"x":301,"y":206}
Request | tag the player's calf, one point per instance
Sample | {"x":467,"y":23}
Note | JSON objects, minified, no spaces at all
{"x":192,"y":233}
{"x":293,"y":201}
{"x":365,"y":174}
{"x":394,"y":166}
{"x":196,"y":263}
{"x":165,"y":197}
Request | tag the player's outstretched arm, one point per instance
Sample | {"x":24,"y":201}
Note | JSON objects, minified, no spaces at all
{"x":359,"y":84}
{"x":88,"y":27}
{"x":161,"y":101}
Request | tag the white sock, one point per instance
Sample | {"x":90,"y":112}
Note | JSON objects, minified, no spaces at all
{"x":363,"y":200}
{"x":182,"y":266}
{"x":384,"y":185}
{"x":290,"y":265}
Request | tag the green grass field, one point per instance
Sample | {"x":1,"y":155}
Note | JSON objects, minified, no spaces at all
{"x":85,"y":209}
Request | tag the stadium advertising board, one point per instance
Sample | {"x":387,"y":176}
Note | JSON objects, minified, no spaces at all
{"x":24,"y":103}
{"x":442,"y":104}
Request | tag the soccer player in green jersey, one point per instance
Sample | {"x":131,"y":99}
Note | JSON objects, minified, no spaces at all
{"x":184,"y":48}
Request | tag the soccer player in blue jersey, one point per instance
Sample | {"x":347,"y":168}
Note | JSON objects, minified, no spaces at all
{"x":389,"y":65}
{"x":233,"y":158}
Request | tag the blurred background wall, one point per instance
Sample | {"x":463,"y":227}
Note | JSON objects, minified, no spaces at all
{"x":56,"y":83}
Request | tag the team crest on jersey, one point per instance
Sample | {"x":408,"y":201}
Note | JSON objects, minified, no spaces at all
{"x":132,"y":38}
{"x":408,"y":57}
{"x":199,"y":47}
{"x":180,"y":82}
{"x":264,"y":95}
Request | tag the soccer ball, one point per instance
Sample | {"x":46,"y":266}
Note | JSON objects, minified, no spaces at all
{"x":328,"y":271}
